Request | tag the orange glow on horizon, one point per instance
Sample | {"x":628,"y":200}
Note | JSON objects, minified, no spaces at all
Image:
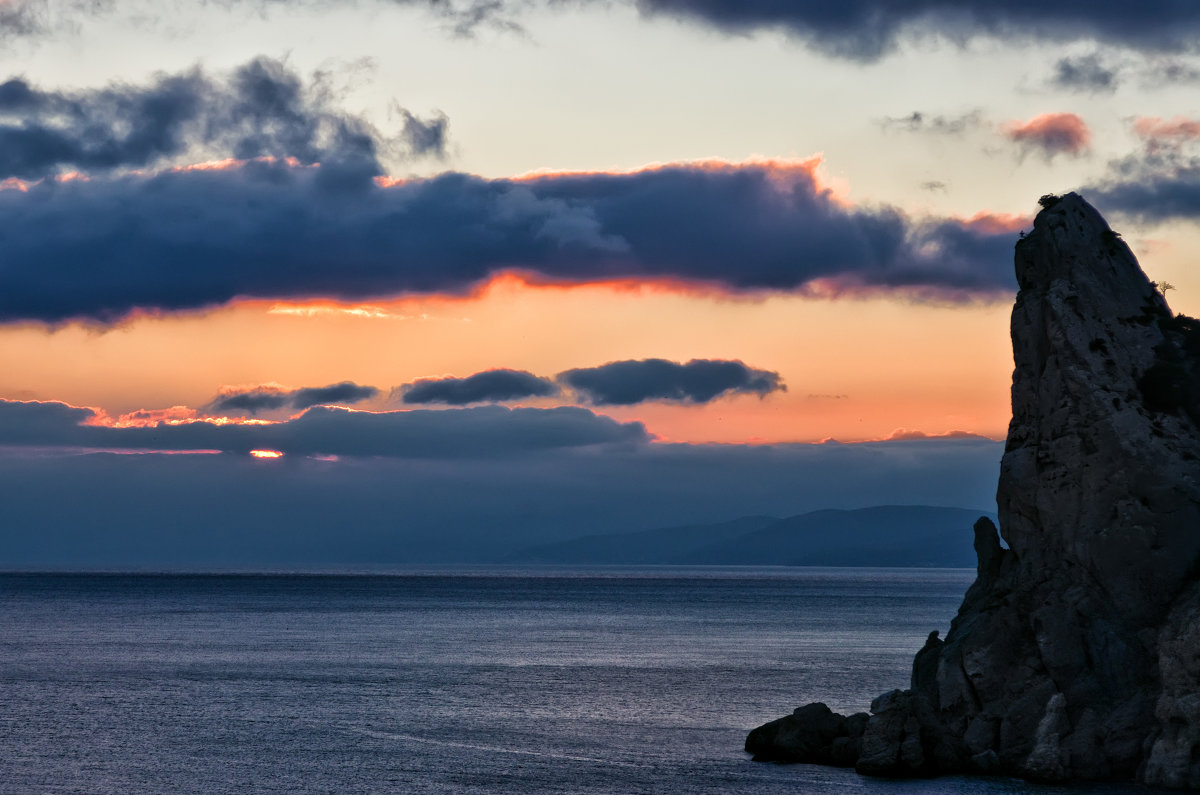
{"x":318,"y":307}
{"x":222,"y":421}
{"x":855,"y":370}
{"x":426,"y":306}
{"x":266,"y":454}
{"x":805,"y":165}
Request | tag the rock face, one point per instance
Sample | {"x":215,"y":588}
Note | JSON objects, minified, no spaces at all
{"x":1076,"y":653}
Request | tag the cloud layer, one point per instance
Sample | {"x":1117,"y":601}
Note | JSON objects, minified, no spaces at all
{"x":486,"y":431}
{"x":863,"y":30}
{"x":271,"y":398}
{"x":261,"y":109}
{"x":102,"y":248}
{"x":868,"y":29}
{"x":488,"y":386}
{"x":698,"y":381}
{"x":45,"y":18}
{"x":450,"y":485}
{"x":1161,"y":182}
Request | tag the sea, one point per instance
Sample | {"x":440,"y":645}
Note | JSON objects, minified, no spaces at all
{"x":451,"y":680}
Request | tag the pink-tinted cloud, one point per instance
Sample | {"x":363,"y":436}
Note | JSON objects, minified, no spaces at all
{"x":1162,"y":181}
{"x":1158,"y":132}
{"x":1051,"y":134}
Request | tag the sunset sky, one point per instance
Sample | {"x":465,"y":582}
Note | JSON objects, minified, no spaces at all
{"x":488,"y":271}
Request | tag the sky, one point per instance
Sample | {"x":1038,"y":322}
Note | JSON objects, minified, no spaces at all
{"x":356,"y":282}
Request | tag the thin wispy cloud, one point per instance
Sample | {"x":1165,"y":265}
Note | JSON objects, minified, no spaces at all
{"x":484,"y":431}
{"x":1091,"y":73}
{"x":934,"y":123}
{"x":1158,"y":133}
{"x":41,"y":19}
{"x":1105,"y":72}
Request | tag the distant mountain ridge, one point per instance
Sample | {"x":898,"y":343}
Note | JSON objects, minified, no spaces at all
{"x":885,"y":535}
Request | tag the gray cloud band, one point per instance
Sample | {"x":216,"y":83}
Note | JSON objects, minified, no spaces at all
{"x":481,"y":432}
{"x":857,"y":29}
{"x":272,"y":399}
{"x":615,"y":383}
{"x":102,"y":248}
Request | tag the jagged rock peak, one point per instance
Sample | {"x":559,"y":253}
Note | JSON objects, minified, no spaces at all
{"x":1076,"y":653}
{"x":1096,"y":462}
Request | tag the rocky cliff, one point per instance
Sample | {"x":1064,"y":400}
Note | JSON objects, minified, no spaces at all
{"x":1076,"y":653}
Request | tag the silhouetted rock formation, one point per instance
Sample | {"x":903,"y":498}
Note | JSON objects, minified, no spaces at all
{"x":1076,"y":652}
{"x":813,"y":733}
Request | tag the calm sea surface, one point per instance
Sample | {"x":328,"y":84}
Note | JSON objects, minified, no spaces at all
{"x":526,"y":680}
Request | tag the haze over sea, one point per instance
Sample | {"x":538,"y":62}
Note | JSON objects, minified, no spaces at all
{"x":474,"y":680}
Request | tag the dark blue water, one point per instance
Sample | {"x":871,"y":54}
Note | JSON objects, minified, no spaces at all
{"x":474,"y":681}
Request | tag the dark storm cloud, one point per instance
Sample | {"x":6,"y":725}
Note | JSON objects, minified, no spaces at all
{"x":867,"y":29}
{"x":100,"y":249}
{"x":485,"y":387}
{"x":455,"y":433}
{"x":1087,"y":73}
{"x":262,"y":108}
{"x":271,"y":398}
{"x":698,"y":381}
